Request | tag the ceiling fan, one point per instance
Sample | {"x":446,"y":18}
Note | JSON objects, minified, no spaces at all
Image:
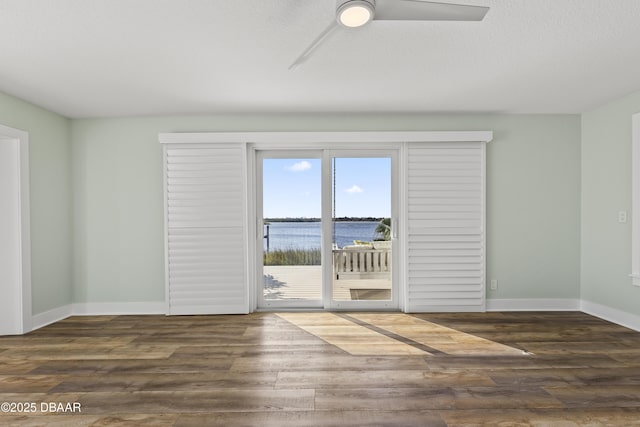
{"x":351,"y":14}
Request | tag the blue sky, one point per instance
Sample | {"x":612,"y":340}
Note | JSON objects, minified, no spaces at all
{"x":292,"y":187}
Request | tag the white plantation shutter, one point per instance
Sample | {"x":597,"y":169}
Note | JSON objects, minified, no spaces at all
{"x":445,"y":228}
{"x":210,"y":257}
{"x":206,"y":226}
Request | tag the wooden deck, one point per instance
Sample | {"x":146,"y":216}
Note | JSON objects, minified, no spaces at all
{"x":285,"y":282}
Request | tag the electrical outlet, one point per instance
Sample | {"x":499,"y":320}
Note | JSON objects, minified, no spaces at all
{"x":494,"y":285}
{"x":622,"y":217}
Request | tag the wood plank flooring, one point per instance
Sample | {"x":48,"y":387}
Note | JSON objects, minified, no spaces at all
{"x":325,"y":369}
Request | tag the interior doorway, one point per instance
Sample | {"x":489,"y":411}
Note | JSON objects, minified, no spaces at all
{"x":15,"y":266}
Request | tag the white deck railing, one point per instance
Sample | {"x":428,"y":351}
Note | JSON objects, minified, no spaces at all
{"x":366,"y":263}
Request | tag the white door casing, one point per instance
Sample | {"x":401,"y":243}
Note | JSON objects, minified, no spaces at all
{"x":15,"y":246}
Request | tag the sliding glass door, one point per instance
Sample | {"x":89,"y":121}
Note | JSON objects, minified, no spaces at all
{"x":327,"y":221}
{"x":289,"y":217}
{"x":362,"y":229}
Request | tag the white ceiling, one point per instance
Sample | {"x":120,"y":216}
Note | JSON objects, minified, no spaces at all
{"x":100,"y":58}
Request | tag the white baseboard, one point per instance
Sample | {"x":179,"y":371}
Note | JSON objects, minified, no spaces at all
{"x":48,"y":317}
{"x":533,"y":304}
{"x":118,"y":308}
{"x":96,"y":309}
{"x":610,"y":314}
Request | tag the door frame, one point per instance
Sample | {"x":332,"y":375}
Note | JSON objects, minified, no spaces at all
{"x":261,"y":303}
{"x":23,"y":319}
{"x":364,"y":153}
{"x":257,"y":151}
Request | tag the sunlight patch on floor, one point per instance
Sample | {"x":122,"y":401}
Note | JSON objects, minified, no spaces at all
{"x":389,"y":334}
{"x":446,"y":340}
{"x":348,"y":336}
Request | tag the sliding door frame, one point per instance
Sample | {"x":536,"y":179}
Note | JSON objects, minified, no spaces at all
{"x":394,"y":155}
{"x":261,"y":302}
{"x":291,"y":149}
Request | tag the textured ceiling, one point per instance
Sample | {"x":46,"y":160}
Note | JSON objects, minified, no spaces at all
{"x":96,"y":58}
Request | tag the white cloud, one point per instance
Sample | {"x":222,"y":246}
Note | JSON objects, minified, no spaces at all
{"x":300,"y":166}
{"x":354,"y":189}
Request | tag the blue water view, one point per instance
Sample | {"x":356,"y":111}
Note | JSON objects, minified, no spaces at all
{"x":307,"y":235}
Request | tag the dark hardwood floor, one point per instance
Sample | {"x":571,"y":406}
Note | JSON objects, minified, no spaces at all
{"x":324,"y":369}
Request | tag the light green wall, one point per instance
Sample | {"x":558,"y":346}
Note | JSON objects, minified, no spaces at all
{"x":554,"y":186}
{"x":606,"y":189}
{"x":50,"y":187}
{"x":533,"y":190}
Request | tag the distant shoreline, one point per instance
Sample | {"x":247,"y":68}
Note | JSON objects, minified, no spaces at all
{"x":339,"y":219}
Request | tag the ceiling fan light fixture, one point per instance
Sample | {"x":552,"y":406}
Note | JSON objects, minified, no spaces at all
{"x":355,"y":13}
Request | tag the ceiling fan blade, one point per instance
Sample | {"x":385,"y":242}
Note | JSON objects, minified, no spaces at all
{"x":419,"y":10}
{"x":314,"y":45}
